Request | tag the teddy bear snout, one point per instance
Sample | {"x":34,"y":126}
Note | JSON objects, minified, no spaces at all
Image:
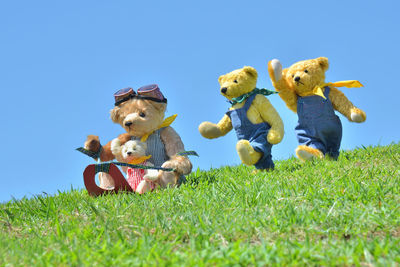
{"x":297,"y":78}
{"x":129,"y":153}
{"x":223,"y":90}
{"x":128,"y":123}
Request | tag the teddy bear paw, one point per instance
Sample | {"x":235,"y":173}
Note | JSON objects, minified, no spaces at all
{"x":209,"y":130}
{"x":167,"y":179}
{"x":246,"y":153}
{"x":143,"y":187}
{"x":151,"y":176}
{"x":92,"y":143}
{"x":274,"y":137}
{"x":357,"y":115}
{"x":305,"y":153}
{"x":276,"y":68}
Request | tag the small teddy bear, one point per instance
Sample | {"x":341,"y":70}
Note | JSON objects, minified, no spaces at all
{"x":257,"y":124}
{"x":302,"y":86}
{"x":134,"y":152}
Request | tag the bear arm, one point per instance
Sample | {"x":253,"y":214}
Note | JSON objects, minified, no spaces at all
{"x":106,"y":153}
{"x":225,"y":125}
{"x":283,"y":88}
{"x":173,"y":145}
{"x":211,"y":130}
{"x":340,"y":102}
{"x":93,"y":144}
{"x":270,"y":115}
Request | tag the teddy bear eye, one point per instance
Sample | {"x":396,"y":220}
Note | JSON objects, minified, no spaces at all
{"x":292,"y":76}
{"x":235,"y":81}
{"x":306,"y":71}
{"x":141,"y":114}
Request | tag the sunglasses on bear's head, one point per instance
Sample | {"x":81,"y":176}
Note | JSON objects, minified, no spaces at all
{"x":149,"y":92}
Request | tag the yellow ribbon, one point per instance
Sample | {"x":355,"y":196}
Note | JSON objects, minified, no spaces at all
{"x":167,"y":122}
{"x":349,"y":84}
{"x":139,"y":159}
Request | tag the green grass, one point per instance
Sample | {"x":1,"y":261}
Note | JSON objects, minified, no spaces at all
{"x":344,"y":212}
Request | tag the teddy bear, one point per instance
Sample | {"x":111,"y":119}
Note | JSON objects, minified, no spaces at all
{"x":134,"y":152}
{"x":141,"y":115}
{"x":303,"y":88}
{"x":257,"y":124}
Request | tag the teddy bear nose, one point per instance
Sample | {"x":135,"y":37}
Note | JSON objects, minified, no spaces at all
{"x":223,"y":90}
{"x":129,"y":153}
{"x":297,"y":78}
{"x":128,"y":123}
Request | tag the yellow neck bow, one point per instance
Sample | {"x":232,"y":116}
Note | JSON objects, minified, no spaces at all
{"x":139,"y":159}
{"x":167,"y":122}
{"x":349,"y":84}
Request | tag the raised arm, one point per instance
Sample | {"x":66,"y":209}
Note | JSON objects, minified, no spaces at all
{"x":277,"y":76}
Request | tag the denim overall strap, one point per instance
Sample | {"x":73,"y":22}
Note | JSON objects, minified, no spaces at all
{"x":248,"y":103}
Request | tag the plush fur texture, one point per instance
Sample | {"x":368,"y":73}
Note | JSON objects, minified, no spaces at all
{"x":300,"y":80}
{"x":234,"y":84}
{"x":308,"y":153}
{"x":126,"y":152}
{"x":139,"y":117}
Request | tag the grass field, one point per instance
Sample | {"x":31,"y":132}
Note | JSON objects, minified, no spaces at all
{"x":344,"y":212}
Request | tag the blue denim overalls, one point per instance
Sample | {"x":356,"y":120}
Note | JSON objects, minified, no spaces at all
{"x":256,"y":134}
{"x":318,"y":126}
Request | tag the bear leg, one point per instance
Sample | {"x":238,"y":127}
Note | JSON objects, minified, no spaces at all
{"x":246,"y":152}
{"x":106,"y":181}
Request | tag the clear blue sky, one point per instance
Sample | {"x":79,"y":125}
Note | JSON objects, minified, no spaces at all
{"x":61,"y":62}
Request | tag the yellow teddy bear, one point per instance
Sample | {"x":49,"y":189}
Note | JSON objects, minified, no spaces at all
{"x":303,"y":88}
{"x":257,"y":124}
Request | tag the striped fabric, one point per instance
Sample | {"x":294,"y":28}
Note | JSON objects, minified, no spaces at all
{"x":135,"y":176}
{"x":155,"y":148}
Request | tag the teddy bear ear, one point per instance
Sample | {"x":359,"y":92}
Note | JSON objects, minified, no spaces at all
{"x":115,"y":114}
{"x":250,"y":70}
{"x":220,"y":78}
{"x":323,"y":62}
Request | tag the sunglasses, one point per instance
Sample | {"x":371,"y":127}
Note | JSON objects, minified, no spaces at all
{"x":149,"y":92}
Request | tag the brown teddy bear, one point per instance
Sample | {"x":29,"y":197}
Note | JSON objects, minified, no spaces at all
{"x":303,"y":88}
{"x":141,"y":114}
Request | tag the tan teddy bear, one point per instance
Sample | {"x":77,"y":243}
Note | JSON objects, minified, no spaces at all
{"x":302,"y":86}
{"x":142,"y":116}
{"x":134,"y":152}
{"x":257,"y":124}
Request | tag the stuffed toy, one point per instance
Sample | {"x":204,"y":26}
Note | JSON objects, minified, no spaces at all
{"x":257,"y":124}
{"x":303,"y":88}
{"x":141,"y":114}
{"x":134,"y":152}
